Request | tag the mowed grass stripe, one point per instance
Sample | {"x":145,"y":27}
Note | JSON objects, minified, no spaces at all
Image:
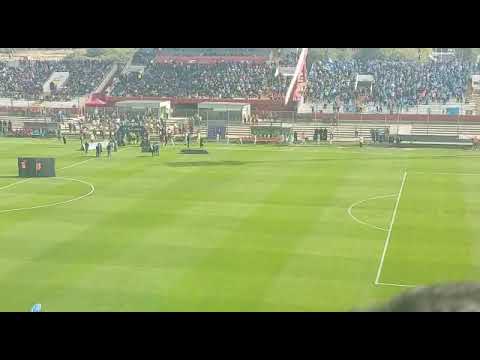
{"x":433,"y":250}
{"x":259,"y":229}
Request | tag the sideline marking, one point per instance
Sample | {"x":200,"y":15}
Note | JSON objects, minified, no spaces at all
{"x":349,"y":211}
{"x":387,"y":240}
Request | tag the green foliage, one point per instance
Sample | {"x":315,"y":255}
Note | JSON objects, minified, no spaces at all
{"x":467,"y":54}
{"x":112,"y":54}
{"x":316,"y":54}
{"x":394,"y":53}
{"x":94,"y":52}
{"x":369,"y":53}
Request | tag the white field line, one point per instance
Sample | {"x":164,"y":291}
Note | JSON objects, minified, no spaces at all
{"x":349,"y":211}
{"x":75,"y":164}
{"x":389,"y":234}
{"x":84,"y":161}
{"x":444,"y":173}
{"x":13,"y":184}
{"x":398,"y":285}
{"x":92,"y":189}
{"x":63,"y":168}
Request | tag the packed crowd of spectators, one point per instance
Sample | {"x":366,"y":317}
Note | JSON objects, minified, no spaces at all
{"x":85,"y":76}
{"x":219,"y":80}
{"x":26,"y":79}
{"x":216,"y":51}
{"x":288,"y":57}
{"x":396,"y":83}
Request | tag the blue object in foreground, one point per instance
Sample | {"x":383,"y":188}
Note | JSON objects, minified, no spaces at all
{"x":37,"y":308}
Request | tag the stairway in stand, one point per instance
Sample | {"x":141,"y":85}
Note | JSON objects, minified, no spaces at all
{"x":475,"y":99}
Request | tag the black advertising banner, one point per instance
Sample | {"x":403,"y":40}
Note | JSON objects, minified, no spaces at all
{"x":36,"y":167}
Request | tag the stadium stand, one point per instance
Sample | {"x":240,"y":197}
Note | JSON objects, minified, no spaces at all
{"x":219,"y":80}
{"x":25,"y":79}
{"x":397,"y":84}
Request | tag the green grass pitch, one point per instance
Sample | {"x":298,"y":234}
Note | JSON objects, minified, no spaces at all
{"x":244,"y":228}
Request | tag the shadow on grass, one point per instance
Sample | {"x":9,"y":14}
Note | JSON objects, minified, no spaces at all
{"x":207,"y":163}
{"x":9,"y":177}
{"x":318,"y":160}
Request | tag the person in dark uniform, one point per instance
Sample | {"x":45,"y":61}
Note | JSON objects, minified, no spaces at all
{"x":188,"y":140}
{"x":86,"y":147}
{"x":109,"y":150}
{"x":97,"y":150}
{"x":64,"y":140}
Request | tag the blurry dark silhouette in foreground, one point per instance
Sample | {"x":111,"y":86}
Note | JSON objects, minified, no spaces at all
{"x":460,"y":297}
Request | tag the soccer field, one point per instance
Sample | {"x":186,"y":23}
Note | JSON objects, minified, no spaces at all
{"x":244,"y":228}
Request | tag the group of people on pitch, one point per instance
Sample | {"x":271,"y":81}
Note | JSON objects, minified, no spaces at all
{"x":111,"y":146}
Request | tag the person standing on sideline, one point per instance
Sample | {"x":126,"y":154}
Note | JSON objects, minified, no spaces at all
{"x":188,"y":140}
{"x":86,"y":147}
{"x":109,"y":150}
{"x":361,"y":140}
{"x":218,"y":136}
{"x":64,"y":140}
{"x":97,"y":150}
